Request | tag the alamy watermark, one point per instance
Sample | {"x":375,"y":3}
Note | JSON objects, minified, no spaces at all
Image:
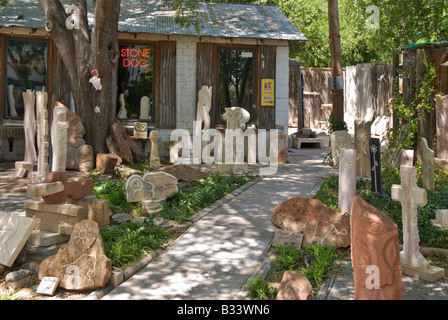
{"x":229,"y":149}
{"x":373,"y":21}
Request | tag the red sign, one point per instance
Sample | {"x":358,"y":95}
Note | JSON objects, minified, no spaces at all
{"x":135,"y":57}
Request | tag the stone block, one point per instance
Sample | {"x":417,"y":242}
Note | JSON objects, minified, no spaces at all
{"x":442,"y":217}
{"x":431,"y":274}
{"x":22,"y":169}
{"x":44,"y":189}
{"x":45,"y":239}
{"x":106,"y":162}
{"x":98,"y":210}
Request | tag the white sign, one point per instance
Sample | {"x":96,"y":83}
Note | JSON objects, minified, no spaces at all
{"x":48,"y":286}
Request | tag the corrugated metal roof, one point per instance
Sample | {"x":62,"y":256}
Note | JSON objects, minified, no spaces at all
{"x":156,"y":17}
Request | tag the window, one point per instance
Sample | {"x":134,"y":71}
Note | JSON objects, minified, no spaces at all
{"x":136,"y":82}
{"x":26,"y":69}
{"x":236,"y":81}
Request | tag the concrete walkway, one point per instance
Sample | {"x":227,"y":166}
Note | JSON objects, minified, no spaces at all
{"x":219,"y":253}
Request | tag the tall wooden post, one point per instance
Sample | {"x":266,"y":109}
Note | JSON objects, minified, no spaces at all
{"x":336,"y":58}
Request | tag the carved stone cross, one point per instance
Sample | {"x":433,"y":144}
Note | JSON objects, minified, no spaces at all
{"x":410,"y":197}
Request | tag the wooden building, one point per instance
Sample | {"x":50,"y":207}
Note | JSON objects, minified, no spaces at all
{"x":238,"y":46}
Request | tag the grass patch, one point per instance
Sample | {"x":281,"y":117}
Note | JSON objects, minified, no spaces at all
{"x":289,"y":258}
{"x":130,"y":241}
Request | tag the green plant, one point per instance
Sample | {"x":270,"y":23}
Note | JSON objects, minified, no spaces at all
{"x":287,"y":257}
{"x":130,"y":241}
{"x":321,"y":266}
{"x":114,"y":191}
{"x":9,"y":295}
{"x":336,"y":124}
{"x":259,"y":289}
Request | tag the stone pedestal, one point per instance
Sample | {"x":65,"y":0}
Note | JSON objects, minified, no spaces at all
{"x":347,"y":179}
{"x":339,"y":140}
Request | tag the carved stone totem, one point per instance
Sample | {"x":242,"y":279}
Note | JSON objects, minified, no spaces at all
{"x":43,"y":139}
{"x":154,"y":160}
{"x":339,"y":140}
{"x":29,"y":125}
{"x":362,"y":137}
{"x":347,"y":179}
{"x":427,"y":166}
{"x":204,"y":106}
{"x":374,"y":254}
{"x":59,"y":128}
{"x":442,"y":126}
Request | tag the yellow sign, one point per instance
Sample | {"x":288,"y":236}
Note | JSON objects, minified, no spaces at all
{"x":267,"y":93}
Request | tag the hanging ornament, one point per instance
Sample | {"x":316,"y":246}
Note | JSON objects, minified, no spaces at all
{"x":95,"y":81}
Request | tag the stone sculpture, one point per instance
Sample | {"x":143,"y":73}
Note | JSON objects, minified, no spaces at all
{"x":318,"y":223}
{"x":374,"y":254}
{"x":140,"y":130}
{"x":81,"y":264}
{"x":427,"y":166}
{"x":339,"y":140}
{"x":12,"y":101}
{"x":411,"y":196}
{"x":59,"y":138}
{"x":347,"y":179}
{"x":43,"y":139}
{"x":204,"y":106}
{"x":79,"y":154}
{"x":144,"y":108}
{"x":441,"y":126}
{"x":236,"y":118}
{"x":362,"y":138}
{"x":151,"y":189}
{"x":123,"y":113}
{"x":29,"y":125}
{"x":154,"y":160}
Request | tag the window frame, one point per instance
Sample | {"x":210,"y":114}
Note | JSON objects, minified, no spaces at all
{"x":256,"y":85}
{"x":4,"y":38}
{"x":127,"y":42}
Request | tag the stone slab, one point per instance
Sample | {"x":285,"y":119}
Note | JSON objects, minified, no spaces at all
{"x":65,"y":209}
{"x":44,"y":189}
{"x":442,"y":217}
{"x":14,"y":233}
{"x":432,"y":274}
{"x":45,"y":239}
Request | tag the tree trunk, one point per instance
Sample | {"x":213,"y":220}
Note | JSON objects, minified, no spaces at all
{"x":83,"y":50}
{"x":336,"y":58}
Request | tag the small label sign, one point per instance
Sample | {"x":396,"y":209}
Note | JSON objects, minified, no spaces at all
{"x":288,"y":238}
{"x":48,"y":286}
